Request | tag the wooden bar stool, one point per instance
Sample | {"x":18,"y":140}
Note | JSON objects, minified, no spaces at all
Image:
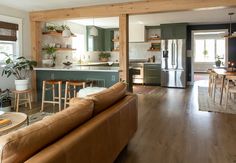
{"x":27,"y":98}
{"x":55,"y":99}
{"x":75,"y":84}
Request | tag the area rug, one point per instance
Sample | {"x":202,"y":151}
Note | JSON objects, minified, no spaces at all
{"x":38,"y":116}
{"x":206,"y":103}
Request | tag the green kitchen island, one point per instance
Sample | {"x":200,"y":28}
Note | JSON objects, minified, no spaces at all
{"x":105,"y":76}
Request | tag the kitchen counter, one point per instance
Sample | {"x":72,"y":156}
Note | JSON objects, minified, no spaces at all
{"x":80,"y":68}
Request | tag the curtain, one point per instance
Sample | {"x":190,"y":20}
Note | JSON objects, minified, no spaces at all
{"x":8,"y":31}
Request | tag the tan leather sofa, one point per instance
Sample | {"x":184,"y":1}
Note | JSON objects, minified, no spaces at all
{"x":91,"y":130}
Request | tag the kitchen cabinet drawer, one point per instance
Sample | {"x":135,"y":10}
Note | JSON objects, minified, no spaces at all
{"x":152,"y":74}
{"x":152,"y":80}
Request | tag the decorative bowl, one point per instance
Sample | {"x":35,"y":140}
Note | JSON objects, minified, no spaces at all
{"x":67,"y":63}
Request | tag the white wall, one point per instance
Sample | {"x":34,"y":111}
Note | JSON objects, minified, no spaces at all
{"x":11,"y":14}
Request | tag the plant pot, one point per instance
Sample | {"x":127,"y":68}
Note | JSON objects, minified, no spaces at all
{"x":47,"y":62}
{"x":5,"y":109}
{"x":218,"y":63}
{"x":22,"y":85}
{"x":103,"y":59}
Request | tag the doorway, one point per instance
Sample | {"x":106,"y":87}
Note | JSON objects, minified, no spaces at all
{"x":208,"y":46}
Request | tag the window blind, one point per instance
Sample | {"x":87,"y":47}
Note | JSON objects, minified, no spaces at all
{"x":8,"y":31}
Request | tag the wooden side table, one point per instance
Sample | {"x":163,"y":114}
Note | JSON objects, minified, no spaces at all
{"x":17,"y":119}
{"x":27,"y":94}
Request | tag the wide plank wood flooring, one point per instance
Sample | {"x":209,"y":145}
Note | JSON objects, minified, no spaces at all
{"x":171,"y":129}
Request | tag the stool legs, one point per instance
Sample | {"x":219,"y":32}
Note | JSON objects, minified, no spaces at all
{"x":55,"y":100}
{"x":53,"y":94}
{"x":17,"y":102}
{"x":59,"y":100}
{"x":43,"y":95}
{"x":66,"y":92}
{"x":29,"y":101}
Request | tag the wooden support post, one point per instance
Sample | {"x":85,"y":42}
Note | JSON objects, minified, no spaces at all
{"x":36,"y":31}
{"x":124,"y":46}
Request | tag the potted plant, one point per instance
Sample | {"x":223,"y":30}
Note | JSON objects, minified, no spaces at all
{"x":5,"y":100}
{"x":205,"y":53}
{"x":50,"y":50}
{"x":218,"y":61}
{"x":50,"y":28}
{"x":20,"y":68}
{"x":104,"y":57}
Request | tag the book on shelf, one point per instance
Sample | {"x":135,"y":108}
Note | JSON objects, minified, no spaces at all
{"x":4,"y":122}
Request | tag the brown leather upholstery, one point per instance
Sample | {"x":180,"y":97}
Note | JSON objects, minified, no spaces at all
{"x":20,"y":145}
{"x":100,"y":140}
{"x":106,"y":98}
{"x":66,"y":138}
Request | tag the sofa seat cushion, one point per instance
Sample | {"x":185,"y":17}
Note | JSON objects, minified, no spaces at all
{"x":22,"y":144}
{"x":106,"y":98}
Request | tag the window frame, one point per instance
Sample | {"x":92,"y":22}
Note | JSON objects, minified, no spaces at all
{"x":14,"y":45}
{"x":215,"y":50}
{"x":19,"y":33}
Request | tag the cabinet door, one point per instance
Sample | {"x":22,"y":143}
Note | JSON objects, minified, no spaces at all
{"x":180,"y":31}
{"x":174,"y":31}
{"x":166,"y":31}
{"x":99,"y":40}
{"x":152,"y":74}
{"x":136,"y":33}
{"x":95,"y":43}
{"x":108,"y":43}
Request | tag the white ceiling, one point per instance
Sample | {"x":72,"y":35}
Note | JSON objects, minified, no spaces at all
{"x":192,"y":17}
{"x":35,"y":5}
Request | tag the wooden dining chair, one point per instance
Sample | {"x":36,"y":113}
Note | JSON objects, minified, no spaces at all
{"x":216,"y":84}
{"x":230,"y":88}
{"x":210,"y":82}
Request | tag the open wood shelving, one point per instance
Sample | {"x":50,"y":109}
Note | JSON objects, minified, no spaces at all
{"x":54,"y":33}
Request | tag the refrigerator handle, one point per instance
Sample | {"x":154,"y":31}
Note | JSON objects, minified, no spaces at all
{"x":173,"y":54}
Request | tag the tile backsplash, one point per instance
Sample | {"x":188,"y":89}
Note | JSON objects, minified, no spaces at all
{"x":140,"y":50}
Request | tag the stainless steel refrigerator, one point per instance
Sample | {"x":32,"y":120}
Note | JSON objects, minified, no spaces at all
{"x":173,"y":73}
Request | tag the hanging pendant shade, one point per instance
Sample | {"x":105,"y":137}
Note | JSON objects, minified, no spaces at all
{"x":93,"y":31}
{"x":230,"y":34}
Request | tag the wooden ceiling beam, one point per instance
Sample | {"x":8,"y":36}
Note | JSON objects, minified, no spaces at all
{"x":141,"y":7}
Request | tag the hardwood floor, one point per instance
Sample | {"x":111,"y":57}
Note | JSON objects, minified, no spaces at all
{"x":171,"y":129}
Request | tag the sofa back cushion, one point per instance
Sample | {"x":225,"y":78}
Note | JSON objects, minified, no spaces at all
{"x":22,"y":144}
{"x":106,"y":98}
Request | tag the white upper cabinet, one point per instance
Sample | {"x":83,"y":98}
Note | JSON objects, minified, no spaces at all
{"x":136,"y":33}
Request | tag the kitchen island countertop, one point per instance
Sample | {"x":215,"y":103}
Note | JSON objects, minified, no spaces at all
{"x":80,"y":68}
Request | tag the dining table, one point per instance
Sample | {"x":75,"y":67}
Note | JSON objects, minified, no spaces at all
{"x":223,"y":73}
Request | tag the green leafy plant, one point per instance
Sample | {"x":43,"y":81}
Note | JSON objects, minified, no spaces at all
{"x":5,"y":98}
{"x":50,"y":49}
{"x":51,"y":28}
{"x":104,"y":55}
{"x":20,"y":68}
{"x":218,"y":61}
{"x":205,"y":52}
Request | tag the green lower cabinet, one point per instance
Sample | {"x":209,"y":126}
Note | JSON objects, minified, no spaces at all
{"x":152,"y":74}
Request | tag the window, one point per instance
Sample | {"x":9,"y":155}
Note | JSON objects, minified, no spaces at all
{"x":8,"y":47}
{"x":206,"y":50}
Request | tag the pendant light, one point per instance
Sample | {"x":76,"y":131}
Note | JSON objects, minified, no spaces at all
{"x":230,"y":34}
{"x":93,"y":30}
